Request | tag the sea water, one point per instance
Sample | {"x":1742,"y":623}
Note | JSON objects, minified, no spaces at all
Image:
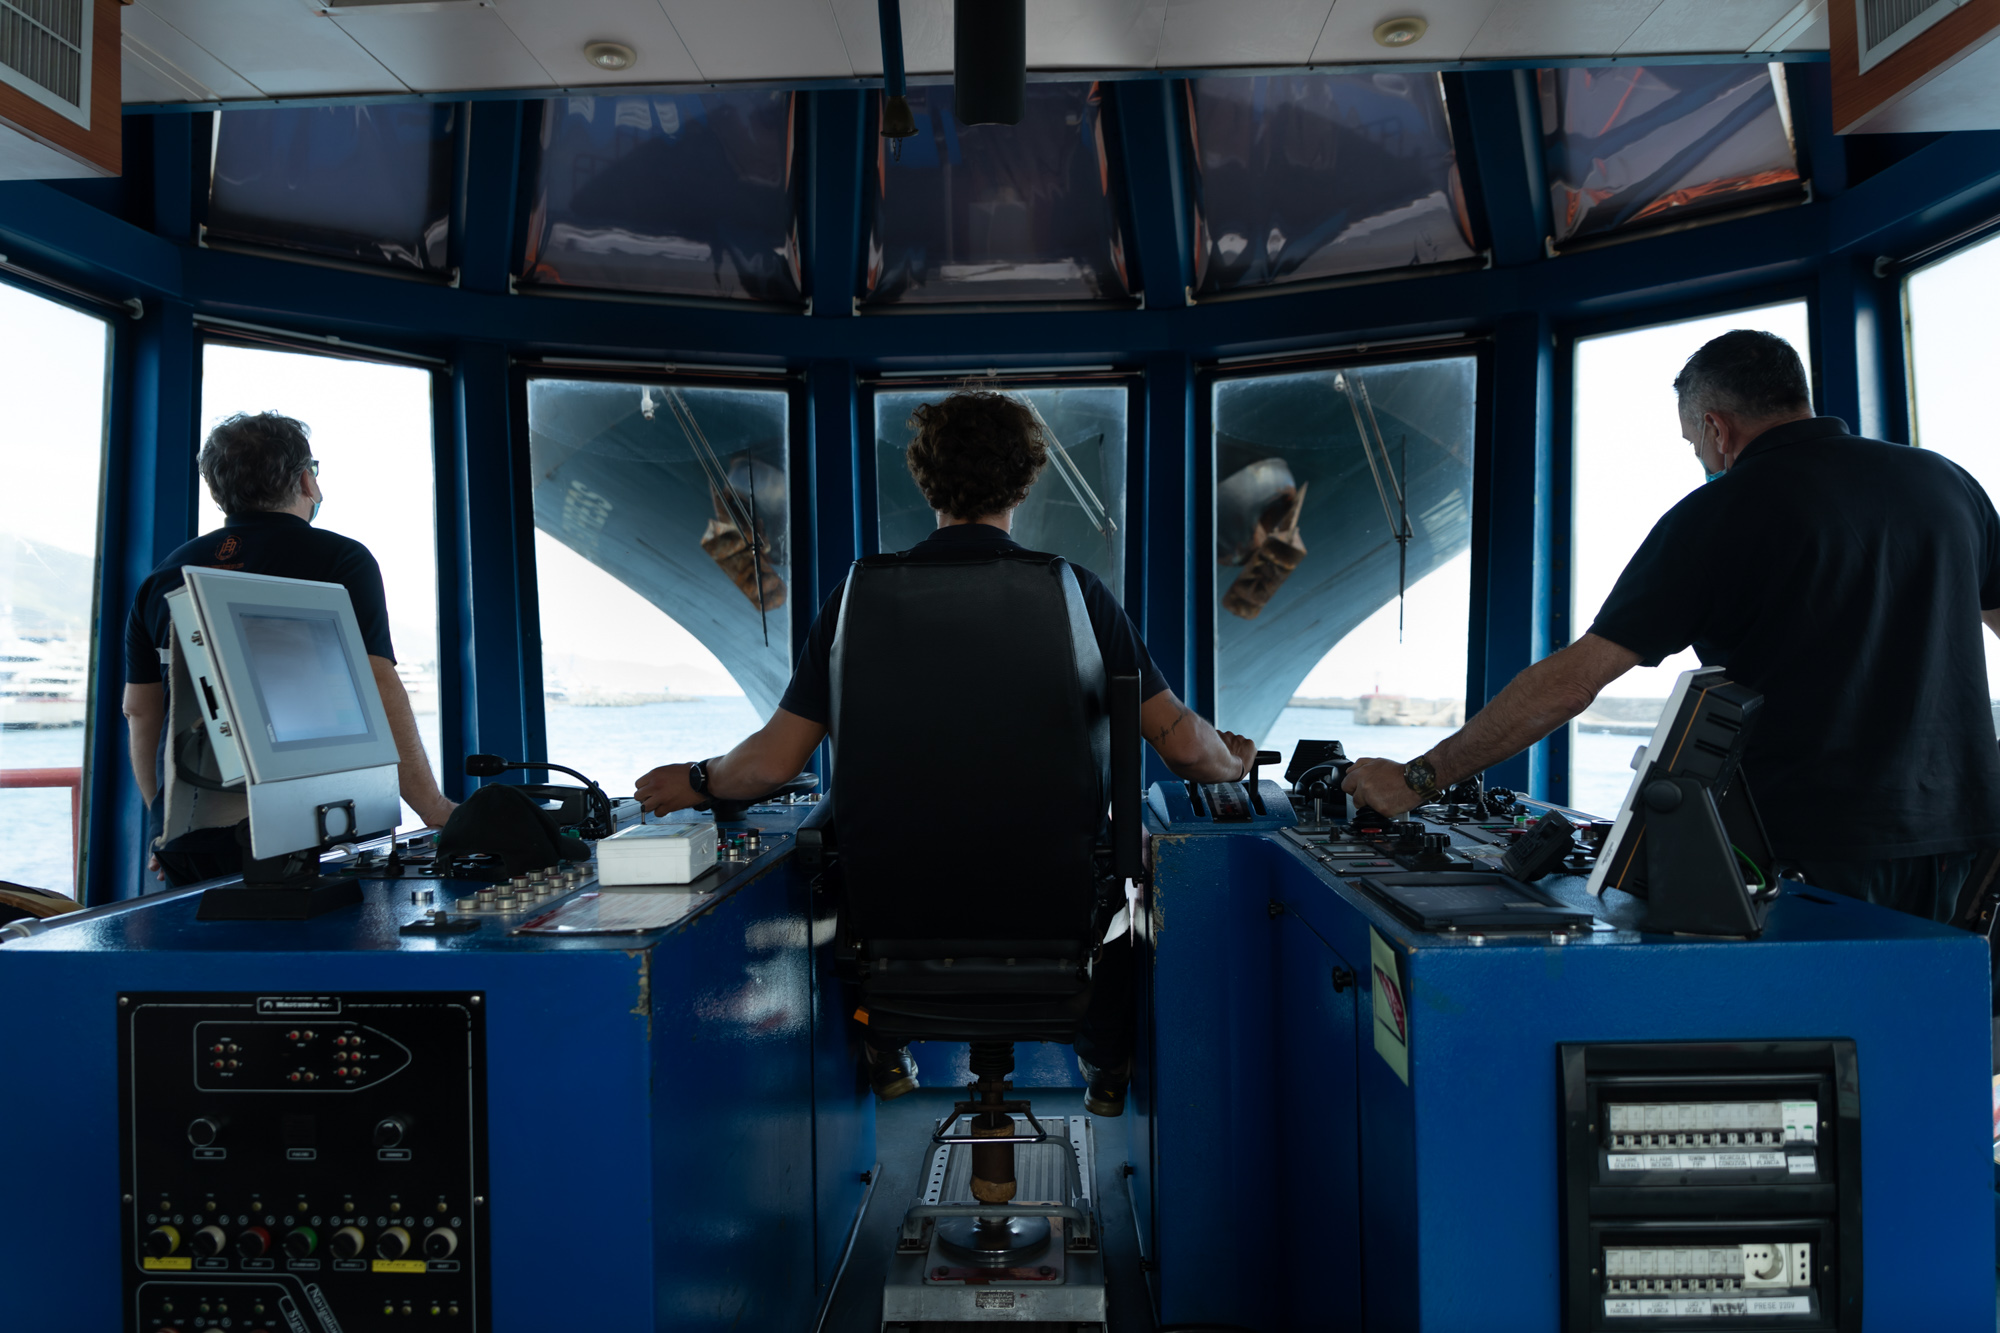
{"x":617,"y":746}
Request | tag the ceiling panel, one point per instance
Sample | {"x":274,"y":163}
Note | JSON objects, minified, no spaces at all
{"x":555,"y":34}
{"x":1815,"y":36}
{"x":762,"y":39}
{"x":160,"y":58}
{"x":1349,"y":37}
{"x":927,"y":30}
{"x":1248,"y":32}
{"x":1705,"y":25}
{"x":1095,"y":34}
{"x":284,"y":49}
{"x":448,"y":49}
{"x":1518,"y":28}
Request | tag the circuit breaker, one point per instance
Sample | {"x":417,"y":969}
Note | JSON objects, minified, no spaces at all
{"x":1717,"y":1182}
{"x":303,"y":1163}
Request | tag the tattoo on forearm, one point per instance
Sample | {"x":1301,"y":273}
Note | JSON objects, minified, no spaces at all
{"x":1171,"y":727}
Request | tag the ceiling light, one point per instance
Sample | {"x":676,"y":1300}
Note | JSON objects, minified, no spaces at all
{"x":617,"y":55}
{"x":1400,"y":32}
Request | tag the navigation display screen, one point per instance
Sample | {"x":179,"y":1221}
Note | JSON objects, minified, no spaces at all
{"x":302,"y":676}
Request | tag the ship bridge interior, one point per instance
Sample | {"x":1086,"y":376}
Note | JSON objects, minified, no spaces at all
{"x":1353,"y":331}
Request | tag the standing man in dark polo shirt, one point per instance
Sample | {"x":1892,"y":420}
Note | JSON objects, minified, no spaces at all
{"x":975,"y":456}
{"x":262,"y":474}
{"x":1844,"y":579}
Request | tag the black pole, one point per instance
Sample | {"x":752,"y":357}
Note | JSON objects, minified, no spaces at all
{"x":990,"y":60}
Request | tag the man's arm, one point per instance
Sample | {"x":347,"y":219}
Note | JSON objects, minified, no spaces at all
{"x":771,"y":756}
{"x":413,"y":766}
{"x":1189,"y":745}
{"x":1535,"y":703}
{"x":145,"y":713}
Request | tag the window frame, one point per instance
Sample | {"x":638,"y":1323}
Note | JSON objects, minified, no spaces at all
{"x":448,"y":276}
{"x":98,"y":308}
{"x":1458,"y":121}
{"x":1122,"y":211}
{"x":800,"y":519}
{"x":527,"y":153}
{"x":1132,"y":542}
{"x":1203,"y":587}
{"x":1569,"y":338}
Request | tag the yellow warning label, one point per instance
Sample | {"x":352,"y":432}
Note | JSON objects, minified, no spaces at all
{"x":179,"y":1263}
{"x":399,"y":1265}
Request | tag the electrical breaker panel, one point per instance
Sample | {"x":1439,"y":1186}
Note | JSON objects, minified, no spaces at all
{"x":303,"y":1163}
{"x":1719,"y":1182}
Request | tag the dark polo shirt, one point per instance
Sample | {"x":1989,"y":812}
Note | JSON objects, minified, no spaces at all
{"x":1843,"y":579}
{"x":282,"y":545}
{"x":810,"y":694}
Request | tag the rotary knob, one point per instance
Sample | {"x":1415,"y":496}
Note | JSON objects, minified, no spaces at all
{"x":203,"y":1131}
{"x":162,"y":1241}
{"x":207,"y":1242}
{"x":392,"y":1244}
{"x":300,"y":1242}
{"x":348,"y":1243}
{"x":390,"y":1131}
{"x":440,"y":1243}
{"x":254,"y":1243}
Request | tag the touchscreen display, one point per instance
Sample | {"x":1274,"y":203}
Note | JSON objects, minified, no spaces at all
{"x":302,"y":675}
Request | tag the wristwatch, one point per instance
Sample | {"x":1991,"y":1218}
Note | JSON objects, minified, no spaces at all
{"x":698,"y":775}
{"x":1420,"y":777}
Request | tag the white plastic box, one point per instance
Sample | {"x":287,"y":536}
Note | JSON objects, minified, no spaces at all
{"x":656,"y":854}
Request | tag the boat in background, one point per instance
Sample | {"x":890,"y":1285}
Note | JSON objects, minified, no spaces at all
{"x":43,"y":683}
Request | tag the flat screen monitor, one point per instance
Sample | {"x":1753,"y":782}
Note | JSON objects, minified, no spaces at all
{"x":304,"y":715}
{"x":1701,"y":735}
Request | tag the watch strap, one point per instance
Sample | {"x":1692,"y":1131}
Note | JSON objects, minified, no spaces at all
{"x":1420,"y":777}
{"x":698,"y":776}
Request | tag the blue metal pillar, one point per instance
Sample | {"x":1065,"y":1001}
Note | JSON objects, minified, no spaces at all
{"x":149,"y":507}
{"x":1176,"y":614}
{"x":487,"y":614}
{"x":1149,"y":134}
{"x":1512,"y":467}
{"x":1858,"y":342}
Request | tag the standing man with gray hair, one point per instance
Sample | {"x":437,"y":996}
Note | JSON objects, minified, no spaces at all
{"x":1844,"y":579}
{"x":262,"y":475}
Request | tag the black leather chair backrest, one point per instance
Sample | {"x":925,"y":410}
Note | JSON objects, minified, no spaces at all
{"x":971,"y":742}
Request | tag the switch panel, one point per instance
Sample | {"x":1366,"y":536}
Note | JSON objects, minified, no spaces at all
{"x":307,"y":1163}
{"x":1715,"y":1182}
{"x":1708,"y":1137}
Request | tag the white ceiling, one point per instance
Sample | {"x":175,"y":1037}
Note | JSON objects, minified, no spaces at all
{"x":226,"y":50}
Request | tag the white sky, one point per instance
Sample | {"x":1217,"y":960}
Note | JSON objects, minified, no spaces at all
{"x":371,"y":432}
{"x":52,"y":424}
{"x":1956,"y":350}
{"x":1632,"y":464}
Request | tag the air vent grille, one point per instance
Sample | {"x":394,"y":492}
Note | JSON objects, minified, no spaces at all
{"x":45,"y":42}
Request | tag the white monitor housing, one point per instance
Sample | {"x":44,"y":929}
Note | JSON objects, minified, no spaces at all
{"x":290,"y":706}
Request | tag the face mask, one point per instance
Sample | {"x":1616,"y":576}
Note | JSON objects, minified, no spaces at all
{"x":1706,"y":477}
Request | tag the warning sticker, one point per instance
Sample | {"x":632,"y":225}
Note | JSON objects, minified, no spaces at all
{"x":399,"y":1266}
{"x":1392,"y":1014}
{"x":994,"y":1300}
{"x":177,"y":1263}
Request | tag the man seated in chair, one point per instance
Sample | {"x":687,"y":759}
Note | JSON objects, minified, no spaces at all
{"x":975,"y":456}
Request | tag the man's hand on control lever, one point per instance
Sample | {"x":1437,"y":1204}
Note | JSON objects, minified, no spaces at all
{"x":764,"y":761}
{"x":666,"y":789}
{"x":1378,"y":784}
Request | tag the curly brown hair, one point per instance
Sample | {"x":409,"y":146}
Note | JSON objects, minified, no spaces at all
{"x":976,"y":453}
{"x":252,"y":462}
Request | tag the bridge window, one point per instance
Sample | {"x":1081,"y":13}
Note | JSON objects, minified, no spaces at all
{"x":1343,"y":515}
{"x":977,"y":213}
{"x":663,"y":568}
{"x":371,"y":432}
{"x":1631,"y":466}
{"x":364,"y":183}
{"x":690,"y":194}
{"x":1635,"y":146}
{"x":1953,"y":349}
{"x":52,"y":378}
{"x":1077,"y":506}
{"x":1304,"y":176}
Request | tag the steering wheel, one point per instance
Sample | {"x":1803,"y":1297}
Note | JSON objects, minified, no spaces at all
{"x":729,"y":811}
